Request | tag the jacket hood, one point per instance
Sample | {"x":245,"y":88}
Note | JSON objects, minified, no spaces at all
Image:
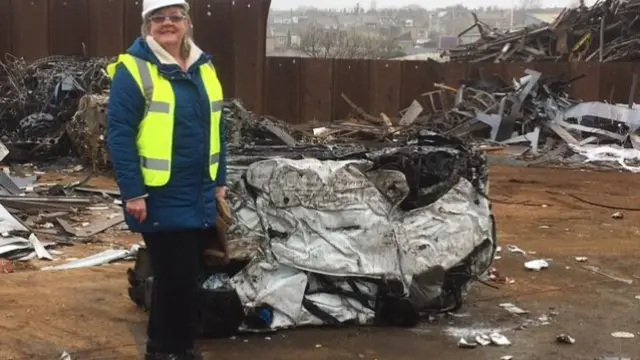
{"x":149,"y":50}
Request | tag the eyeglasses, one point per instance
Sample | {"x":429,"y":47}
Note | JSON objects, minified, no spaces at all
{"x":159,"y":19}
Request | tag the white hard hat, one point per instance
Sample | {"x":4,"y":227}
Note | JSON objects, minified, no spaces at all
{"x":148,"y":6}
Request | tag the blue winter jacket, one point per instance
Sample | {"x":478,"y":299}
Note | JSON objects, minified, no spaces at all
{"x":188,"y":201}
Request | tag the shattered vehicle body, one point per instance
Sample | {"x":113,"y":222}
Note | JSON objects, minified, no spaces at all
{"x":347,"y":236}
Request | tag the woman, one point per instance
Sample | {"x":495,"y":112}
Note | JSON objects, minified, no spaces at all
{"x":166,"y":144}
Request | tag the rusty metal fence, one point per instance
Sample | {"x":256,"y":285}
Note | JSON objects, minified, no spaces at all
{"x":301,"y":90}
{"x":233,"y":31}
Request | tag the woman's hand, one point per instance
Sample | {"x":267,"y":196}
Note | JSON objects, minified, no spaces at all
{"x":138,"y":209}
{"x":221,"y":192}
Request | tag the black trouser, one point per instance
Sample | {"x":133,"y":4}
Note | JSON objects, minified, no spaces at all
{"x":176,"y":261}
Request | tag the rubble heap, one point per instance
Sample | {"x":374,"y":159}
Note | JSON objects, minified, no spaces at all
{"x":537,"y":112}
{"x":605,"y":32}
{"x":40,"y":97}
{"x":500,"y":112}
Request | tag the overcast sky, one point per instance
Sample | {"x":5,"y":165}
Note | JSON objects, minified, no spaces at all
{"x":339,"y":4}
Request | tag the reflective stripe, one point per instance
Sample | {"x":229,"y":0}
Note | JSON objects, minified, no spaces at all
{"x":145,"y":77}
{"x":160,"y":107}
{"x":214,"y":159}
{"x":216,"y":106}
{"x":155,"y":164}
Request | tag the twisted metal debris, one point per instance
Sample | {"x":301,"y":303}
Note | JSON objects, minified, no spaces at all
{"x":605,"y":32}
{"x":40,"y":97}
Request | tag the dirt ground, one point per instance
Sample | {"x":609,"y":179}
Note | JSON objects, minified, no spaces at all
{"x":87,"y":312}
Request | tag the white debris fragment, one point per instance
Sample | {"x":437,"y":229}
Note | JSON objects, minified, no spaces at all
{"x":499,"y":339}
{"x":320,"y":130}
{"x":581,"y":258}
{"x":466,"y":344}
{"x":40,"y":250}
{"x":506,"y":357}
{"x":515,"y":249}
{"x":102,"y":258}
{"x":544,"y":320}
{"x":65,"y":356}
{"x":472,"y":331}
{"x":483,"y":340}
{"x":617,"y":215}
{"x":47,"y":225}
{"x":513,"y":309}
{"x":97,"y":208}
{"x":622,"y":335}
{"x":536,"y":265}
{"x":565,"y":339}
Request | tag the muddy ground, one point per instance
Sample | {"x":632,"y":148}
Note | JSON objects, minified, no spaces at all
{"x":87,"y":312}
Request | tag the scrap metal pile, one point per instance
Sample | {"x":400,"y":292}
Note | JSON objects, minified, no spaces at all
{"x":37,"y":217}
{"x":39,"y":98}
{"x":607,"y":31}
{"x":347,"y":235}
{"x":535,"y":111}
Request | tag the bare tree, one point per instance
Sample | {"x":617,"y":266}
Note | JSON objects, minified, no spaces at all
{"x":319,"y":42}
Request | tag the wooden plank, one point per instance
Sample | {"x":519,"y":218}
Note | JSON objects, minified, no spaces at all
{"x":30,"y":23}
{"x":417,"y":78}
{"x":282,"y":88}
{"x":350,"y":77}
{"x":249,"y":32}
{"x":215,"y":17}
{"x":587,"y":88}
{"x":316,"y":86}
{"x":5,"y":29}
{"x":384,"y":87}
{"x":68,"y":27}
{"x":132,"y":21}
{"x":106,"y":33}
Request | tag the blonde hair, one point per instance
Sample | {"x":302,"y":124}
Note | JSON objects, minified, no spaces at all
{"x":185,"y":46}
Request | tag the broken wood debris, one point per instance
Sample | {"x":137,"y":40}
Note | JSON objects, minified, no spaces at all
{"x":605,"y":32}
{"x":29,"y":213}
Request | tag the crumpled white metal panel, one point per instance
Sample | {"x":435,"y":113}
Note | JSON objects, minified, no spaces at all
{"x":334,"y":218}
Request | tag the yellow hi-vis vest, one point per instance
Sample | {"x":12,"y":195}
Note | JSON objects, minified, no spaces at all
{"x":155,"y":133}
